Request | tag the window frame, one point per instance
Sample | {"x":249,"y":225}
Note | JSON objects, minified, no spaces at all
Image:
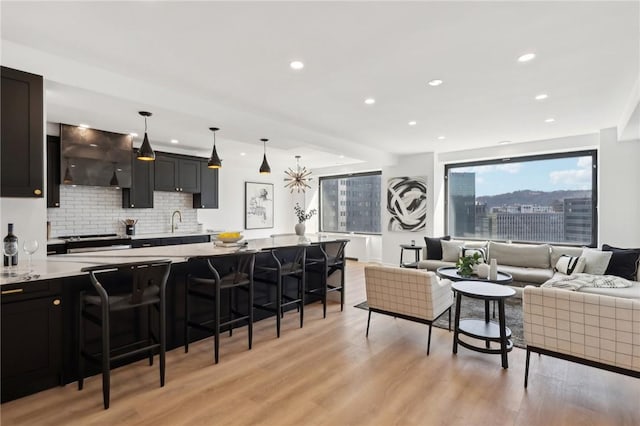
{"x":593,"y":153}
{"x":342,"y":176}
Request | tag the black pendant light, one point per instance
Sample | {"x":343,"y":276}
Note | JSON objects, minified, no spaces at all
{"x":68,"y":179}
{"x":145,"y":153}
{"x":114,"y":178}
{"x":264,"y":168}
{"x":214,"y":161}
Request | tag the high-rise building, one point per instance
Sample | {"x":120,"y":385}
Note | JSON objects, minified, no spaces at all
{"x":534,"y":227}
{"x":462,"y":210}
{"x":578,"y":220}
{"x":351,"y":204}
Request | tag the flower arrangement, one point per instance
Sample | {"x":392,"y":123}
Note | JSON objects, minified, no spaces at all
{"x":466,"y":263}
{"x":302,"y":216}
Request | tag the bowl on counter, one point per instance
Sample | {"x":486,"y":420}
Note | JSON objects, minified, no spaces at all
{"x":229,"y":237}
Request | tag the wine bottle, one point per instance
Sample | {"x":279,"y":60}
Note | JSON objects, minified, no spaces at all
{"x":10,"y":248}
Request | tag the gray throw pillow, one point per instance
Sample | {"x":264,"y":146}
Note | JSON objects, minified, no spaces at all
{"x":596,"y":260}
{"x":451,"y":250}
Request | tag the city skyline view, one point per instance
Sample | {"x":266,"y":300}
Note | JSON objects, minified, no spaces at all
{"x":572,"y":173}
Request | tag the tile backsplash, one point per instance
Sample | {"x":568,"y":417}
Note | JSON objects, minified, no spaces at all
{"x":98,"y":210}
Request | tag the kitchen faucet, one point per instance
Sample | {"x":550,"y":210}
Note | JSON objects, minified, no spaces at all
{"x":173,"y":216}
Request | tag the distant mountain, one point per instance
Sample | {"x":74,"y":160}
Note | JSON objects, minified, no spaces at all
{"x":540,"y":198}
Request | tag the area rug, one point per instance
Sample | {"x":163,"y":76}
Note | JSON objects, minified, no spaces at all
{"x":474,"y":308}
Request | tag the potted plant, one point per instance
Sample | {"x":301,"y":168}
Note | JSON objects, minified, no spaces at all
{"x":466,"y":263}
{"x":302,"y":218}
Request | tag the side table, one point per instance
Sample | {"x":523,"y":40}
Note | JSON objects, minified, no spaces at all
{"x":417,"y":250}
{"x":483,"y":329}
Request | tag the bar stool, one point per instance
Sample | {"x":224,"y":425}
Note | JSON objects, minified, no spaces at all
{"x":146,"y":284}
{"x":207,"y":278}
{"x":272,"y":269}
{"x":325,"y":261}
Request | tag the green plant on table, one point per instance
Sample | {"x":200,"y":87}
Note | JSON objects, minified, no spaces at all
{"x":466,"y":263}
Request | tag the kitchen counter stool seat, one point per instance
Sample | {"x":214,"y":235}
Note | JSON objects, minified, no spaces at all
{"x":146,"y":282}
{"x":325,"y":261}
{"x":206,"y":283}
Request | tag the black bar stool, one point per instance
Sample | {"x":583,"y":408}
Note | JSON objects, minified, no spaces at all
{"x":208,"y":277}
{"x":324,"y":260}
{"x":272,"y":269}
{"x":145,"y":288}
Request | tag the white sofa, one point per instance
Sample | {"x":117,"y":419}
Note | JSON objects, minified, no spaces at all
{"x":596,"y":330}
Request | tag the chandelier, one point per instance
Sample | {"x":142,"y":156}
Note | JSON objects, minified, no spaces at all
{"x":297,"y":179}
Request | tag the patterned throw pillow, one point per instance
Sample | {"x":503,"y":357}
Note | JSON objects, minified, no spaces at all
{"x":569,"y":265}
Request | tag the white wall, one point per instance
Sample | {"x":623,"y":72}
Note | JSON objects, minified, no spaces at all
{"x":230,"y":215}
{"x":619,"y":190}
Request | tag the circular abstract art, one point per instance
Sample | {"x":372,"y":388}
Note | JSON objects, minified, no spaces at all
{"x":407,"y":203}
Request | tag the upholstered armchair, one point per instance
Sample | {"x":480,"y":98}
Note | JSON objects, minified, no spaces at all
{"x":411,"y":294}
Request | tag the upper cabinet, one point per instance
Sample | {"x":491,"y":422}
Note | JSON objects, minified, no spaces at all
{"x":53,"y":171}
{"x":22,"y":146}
{"x":208,"y":196}
{"x":140,"y":195}
{"x":177,"y":173}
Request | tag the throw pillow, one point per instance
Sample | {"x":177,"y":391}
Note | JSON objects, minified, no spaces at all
{"x":570,"y":265}
{"x":451,"y":250}
{"x":434,"y":247}
{"x":470,"y":251}
{"x":596,"y":260}
{"x":624,"y":262}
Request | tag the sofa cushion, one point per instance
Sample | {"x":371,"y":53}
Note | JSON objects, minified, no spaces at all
{"x":433,"y":264}
{"x":466,"y":251}
{"x":623,"y":263}
{"x":596,"y":260}
{"x":527,"y":275}
{"x":632,"y":292}
{"x":451,"y":250}
{"x":434,"y":247}
{"x":570,"y":264}
{"x":476,"y":244}
{"x":525,"y":255}
{"x":557,"y":251}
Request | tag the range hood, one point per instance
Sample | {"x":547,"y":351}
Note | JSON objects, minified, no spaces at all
{"x":91,"y":157}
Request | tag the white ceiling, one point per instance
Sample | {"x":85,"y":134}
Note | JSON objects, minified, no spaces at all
{"x":201,"y":64}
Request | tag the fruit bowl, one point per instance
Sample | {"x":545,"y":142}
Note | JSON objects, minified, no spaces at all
{"x":229,"y":237}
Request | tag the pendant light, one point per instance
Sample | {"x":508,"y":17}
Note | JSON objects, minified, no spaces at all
{"x":264,"y":168}
{"x":145,"y":153}
{"x":214,"y":161}
{"x":114,"y":178}
{"x":68,"y":179}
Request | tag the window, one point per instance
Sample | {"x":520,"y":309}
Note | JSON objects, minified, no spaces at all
{"x":544,"y":198}
{"x":354,"y":210}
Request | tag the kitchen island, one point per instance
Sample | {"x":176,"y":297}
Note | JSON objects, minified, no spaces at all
{"x":39,"y":314}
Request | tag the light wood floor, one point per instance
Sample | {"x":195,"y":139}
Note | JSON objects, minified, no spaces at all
{"x":328,"y":373}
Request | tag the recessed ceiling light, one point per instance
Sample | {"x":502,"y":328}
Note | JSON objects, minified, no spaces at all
{"x":504,"y":142}
{"x":296,"y":65}
{"x":175,"y":141}
{"x":541,"y":96}
{"x":435,"y":82}
{"x":84,"y":126}
{"x":526,"y":57}
{"x":243,"y":154}
{"x":342,"y":156}
{"x":134,"y":134}
{"x":549,"y":120}
{"x":369,"y":101}
{"x":119,"y":170}
{"x":412,"y":123}
{"x":93,"y":145}
{"x":441,"y":137}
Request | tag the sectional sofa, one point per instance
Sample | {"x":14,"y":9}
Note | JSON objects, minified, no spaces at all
{"x":529,"y":264}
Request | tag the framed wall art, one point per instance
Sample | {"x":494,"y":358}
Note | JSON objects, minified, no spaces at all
{"x":258,"y":205}
{"x":407,"y":203}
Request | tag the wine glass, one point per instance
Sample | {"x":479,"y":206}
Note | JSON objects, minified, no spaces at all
{"x":10,"y":250}
{"x":30,"y":247}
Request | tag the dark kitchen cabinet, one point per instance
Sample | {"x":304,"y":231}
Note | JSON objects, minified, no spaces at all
{"x":207,"y":198}
{"x":31,"y":337}
{"x":53,"y":171}
{"x":140,"y":195}
{"x":177,"y":173}
{"x":170,"y":241}
{"x":21,"y":118}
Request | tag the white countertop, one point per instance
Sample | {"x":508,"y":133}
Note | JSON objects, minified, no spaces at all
{"x":64,"y":265}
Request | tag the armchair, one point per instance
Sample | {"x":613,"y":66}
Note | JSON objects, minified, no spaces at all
{"x":412,"y":294}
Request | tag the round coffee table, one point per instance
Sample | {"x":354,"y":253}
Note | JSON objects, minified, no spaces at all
{"x":486,"y":330}
{"x":451,"y":272}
